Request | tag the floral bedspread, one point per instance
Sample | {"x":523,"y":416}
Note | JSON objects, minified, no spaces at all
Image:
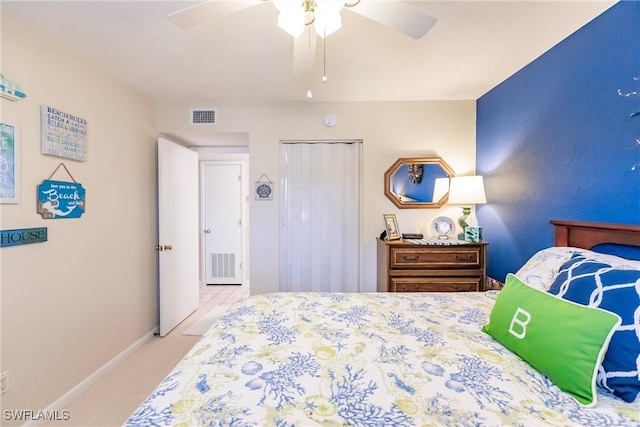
{"x":376,"y":359}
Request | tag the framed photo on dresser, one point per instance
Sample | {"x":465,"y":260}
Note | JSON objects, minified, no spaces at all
{"x":391,"y":225}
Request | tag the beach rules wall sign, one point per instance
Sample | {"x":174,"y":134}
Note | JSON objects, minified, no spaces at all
{"x":63,"y":134}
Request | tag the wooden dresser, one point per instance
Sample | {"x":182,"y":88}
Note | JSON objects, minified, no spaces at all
{"x":404,"y":266}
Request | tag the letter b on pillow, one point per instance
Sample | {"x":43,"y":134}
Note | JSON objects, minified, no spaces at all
{"x":520,"y":321}
{"x":561,"y":339}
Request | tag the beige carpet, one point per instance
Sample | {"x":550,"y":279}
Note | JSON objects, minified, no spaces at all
{"x":113,"y":398}
{"x":201,"y":326}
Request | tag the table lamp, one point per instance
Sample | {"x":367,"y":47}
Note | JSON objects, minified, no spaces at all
{"x":466,"y":191}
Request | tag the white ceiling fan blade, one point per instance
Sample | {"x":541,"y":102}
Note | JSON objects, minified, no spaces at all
{"x":398,"y":15}
{"x":304,"y":51}
{"x":204,"y":12}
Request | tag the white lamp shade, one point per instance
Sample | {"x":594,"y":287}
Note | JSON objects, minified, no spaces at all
{"x":467,"y":190}
{"x":292,"y":21}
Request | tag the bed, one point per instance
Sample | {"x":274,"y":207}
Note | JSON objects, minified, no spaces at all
{"x":389,"y":359}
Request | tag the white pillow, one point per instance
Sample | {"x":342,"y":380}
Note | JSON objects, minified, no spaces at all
{"x":542,"y":268}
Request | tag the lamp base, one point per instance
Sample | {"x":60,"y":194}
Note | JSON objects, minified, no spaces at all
{"x":462,"y":221}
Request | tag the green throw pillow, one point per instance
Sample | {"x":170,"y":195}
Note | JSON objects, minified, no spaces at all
{"x":561,"y":339}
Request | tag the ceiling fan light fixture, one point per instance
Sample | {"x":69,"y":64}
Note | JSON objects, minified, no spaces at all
{"x":324,"y":14}
{"x":292,"y":21}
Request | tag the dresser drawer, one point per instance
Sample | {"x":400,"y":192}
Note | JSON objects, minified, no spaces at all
{"x":435,"y":284}
{"x":409,"y":267}
{"x":435,"y":257}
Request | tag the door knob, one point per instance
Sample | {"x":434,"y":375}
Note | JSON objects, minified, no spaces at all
{"x":207,"y":231}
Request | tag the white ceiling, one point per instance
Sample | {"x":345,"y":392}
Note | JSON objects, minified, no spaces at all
{"x":474,"y":46}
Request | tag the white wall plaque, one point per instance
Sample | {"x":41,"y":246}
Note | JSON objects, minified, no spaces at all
{"x":63,"y":134}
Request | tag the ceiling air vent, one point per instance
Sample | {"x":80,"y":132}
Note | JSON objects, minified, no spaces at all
{"x":203,"y":116}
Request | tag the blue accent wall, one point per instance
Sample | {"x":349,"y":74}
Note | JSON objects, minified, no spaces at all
{"x":556,"y":141}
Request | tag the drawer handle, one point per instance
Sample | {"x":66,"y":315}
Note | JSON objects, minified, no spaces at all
{"x":467,"y":257}
{"x":410,"y":258}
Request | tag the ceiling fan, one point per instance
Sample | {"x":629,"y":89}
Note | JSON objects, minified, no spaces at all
{"x":395,"y":14}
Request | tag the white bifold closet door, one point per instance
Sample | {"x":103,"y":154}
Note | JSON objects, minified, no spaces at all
{"x":320,"y":216}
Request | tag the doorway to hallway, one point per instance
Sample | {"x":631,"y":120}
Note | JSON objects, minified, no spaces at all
{"x":224,"y":222}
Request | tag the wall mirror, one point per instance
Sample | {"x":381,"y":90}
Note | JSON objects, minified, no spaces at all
{"x":418,"y":182}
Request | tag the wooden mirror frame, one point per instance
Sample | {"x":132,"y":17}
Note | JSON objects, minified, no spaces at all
{"x":413,"y":160}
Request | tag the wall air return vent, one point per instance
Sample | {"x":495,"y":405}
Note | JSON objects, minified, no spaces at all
{"x":223,"y":265}
{"x":203,"y":116}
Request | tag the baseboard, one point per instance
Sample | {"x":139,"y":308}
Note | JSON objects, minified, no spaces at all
{"x":64,"y":401}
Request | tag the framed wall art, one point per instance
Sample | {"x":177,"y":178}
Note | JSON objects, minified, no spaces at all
{"x":61,"y":199}
{"x":63,"y":134}
{"x":391,"y":225}
{"x":264,"y":188}
{"x":9,"y":163}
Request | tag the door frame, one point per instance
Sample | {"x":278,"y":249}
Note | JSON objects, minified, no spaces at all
{"x":241,"y":159}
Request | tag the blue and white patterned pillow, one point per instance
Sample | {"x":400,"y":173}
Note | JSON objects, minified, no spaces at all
{"x":598,"y":284}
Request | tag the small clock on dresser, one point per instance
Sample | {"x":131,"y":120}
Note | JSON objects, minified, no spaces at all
{"x":443,"y":228}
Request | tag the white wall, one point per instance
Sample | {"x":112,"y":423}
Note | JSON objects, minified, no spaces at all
{"x":389,"y":130}
{"x":73,"y":303}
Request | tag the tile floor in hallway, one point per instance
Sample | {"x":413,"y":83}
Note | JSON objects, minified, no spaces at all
{"x":215,"y":295}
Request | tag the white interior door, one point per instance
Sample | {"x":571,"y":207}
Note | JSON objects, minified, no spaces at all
{"x":178,"y":233}
{"x":222,"y":185}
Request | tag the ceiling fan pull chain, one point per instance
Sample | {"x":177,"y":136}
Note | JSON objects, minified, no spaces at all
{"x":324,"y":59}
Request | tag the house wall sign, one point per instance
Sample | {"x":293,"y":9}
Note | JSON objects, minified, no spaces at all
{"x":22,"y":236}
{"x":61,"y":199}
